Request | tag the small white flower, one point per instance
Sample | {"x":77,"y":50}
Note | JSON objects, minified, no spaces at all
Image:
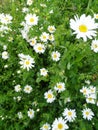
{"x":92,"y":89}
{"x":39,"y":48}
{"x":20,"y":116}
{"x":31,"y":19}
{"x":91,"y":98}
{"x":51,"y":37}
{"x":49,"y":96}
{"x":6,"y":19}
{"x":60,"y":87}
{"x":84,"y":27}
{"x":25,"y":10}
{"x":96,"y":16}
{"x":19,"y":98}
{"x":29,"y":2}
{"x":85,"y":91}
{"x":69,"y":114}
{"x":44,"y":37}
{"x":55,"y":56}
{"x":31,"y":113}
{"x":43,"y":72}
{"x":46,"y":126}
{"x":51,"y":29}
{"x":94,"y":46}
{"x":6,"y":66}
{"x":33,"y":41}
{"x":4,"y":47}
{"x":18,"y":88}
{"x":26,"y":61}
{"x":5,"y":55}
{"x":28,"y":89}
{"x":59,"y":124}
{"x":87,"y":114}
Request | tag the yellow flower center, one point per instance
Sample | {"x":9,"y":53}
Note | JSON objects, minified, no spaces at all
{"x":44,"y":37}
{"x":27,"y":62}
{"x":69,"y":113}
{"x":31,"y":20}
{"x":51,"y":29}
{"x":55,"y":56}
{"x":83,"y":28}
{"x":30,"y":112}
{"x":39,"y":48}
{"x":84,"y":91}
{"x":27,"y":89}
{"x":50,"y":95}
{"x":87,"y":113}
{"x":95,"y":46}
{"x":90,"y":99}
{"x":96,"y":16}
{"x":33,"y":42}
{"x":59,"y":86}
{"x":60,"y":126}
{"x":46,"y":127}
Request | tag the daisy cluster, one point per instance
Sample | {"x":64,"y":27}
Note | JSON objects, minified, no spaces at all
{"x":37,"y":67}
{"x":5,"y":20}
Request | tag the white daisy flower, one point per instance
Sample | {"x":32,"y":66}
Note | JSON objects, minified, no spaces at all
{"x":91,"y":98}
{"x":96,"y":16}
{"x":59,"y":124}
{"x":4,"y":47}
{"x":33,"y":41}
{"x":94,"y":45}
{"x":84,"y":27}
{"x":39,"y":48}
{"x":44,"y":37}
{"x":28,"y":89}
{"x":6,"y":19}
{"x":69,"y":114}
{"x":92,"y":89}
{"x":20,"y":116}
{"x":55,"y":56}
{"x":46,"y":126}
{"x":43,"y":72}
{"x":51,"y":29}
{"x":85,"y":91}
{"x":5,"y":55}
{"x":51,"y":37}
{"x":31,"y":113}
{"x":29,"y":2}
{"x":60,"y":87}
{"x":17,"y":88}
{"x":31,"y":19}
{"x":25,"y":10}
{"x":26,"y":61}
{"x":49,"y":96}
{"x":19,"y":98}
{"x":87,"y":114}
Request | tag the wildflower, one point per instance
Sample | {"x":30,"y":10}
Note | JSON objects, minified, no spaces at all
{"x":31,"y":113}
{"x":60,"y":87}
{"x":51,"y":37}
{"x":87,"y":114}
{"x":69,"y":114}
{"x":5,"y":55}
{"x":20,"y":115}
{"x":26,"y":61}
{"x":51,"y":29}
{"x":55,"y":56}
{"x":43,"y":72}
{"x":46,"y":126}
{"x":94,"y":46}
{"x":49,"y":96}
{"x":59,"y":124}
{"x":44,"y":37}
{"x":31,"y":19}
{"x":84,"y":27}
{"x":33,"y":41}
{"x":28,"y":89}
{"x":39,"y":48}
{"x":84,"y":90}
{"x":96,"y":16}
{"x":29,"y":2}
{"x":18,"y":88}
